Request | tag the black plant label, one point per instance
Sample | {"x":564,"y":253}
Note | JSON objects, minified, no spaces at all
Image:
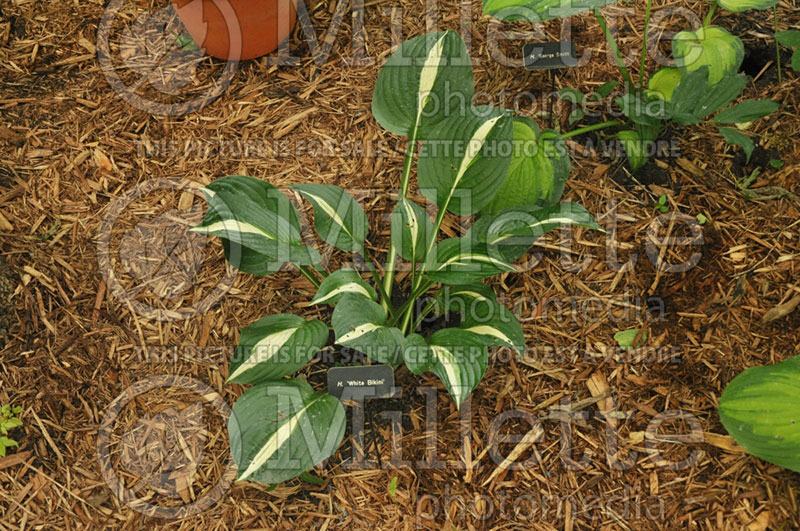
{"x":548,"y":55}
{"x":360,"y":382}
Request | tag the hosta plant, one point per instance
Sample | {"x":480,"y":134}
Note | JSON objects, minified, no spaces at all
{"x":759,"y":408}
{"x":703,"y":82}
{"x":281,"y":426}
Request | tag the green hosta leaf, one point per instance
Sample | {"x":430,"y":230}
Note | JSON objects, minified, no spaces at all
{"x":538,"y":170}
{"x":258,"y":216}
{"x":457,"y":357}
{"x":759,"y":410}
{"x":664,"y":81}
{"x":572,"y":95}
{"x":462,"y":261}
{"x":720,"y":95}
{"x":747,"y":111}
{"x":360,"y":323}
{"x":411,"y":229}
{"x":494,"y":323}
{"x":278,"y":430}
{"x":466,"y":160}
{"x":276,"y":346}
{"x":709,"y":46}
{"x":604,"y":90}
{"x":512,"y":232}
{"x":686,"y":95}
{"x":636,"y":148}
{"x":790,"y":38}
{"x":338,"y":218}
{"x":736,"y":138}
{"x":248,"y":261}
{"x":796,"y":60}
{"x":539,"y":10}
{"x":460,"y":298}
{"x":648,"y":113}
{"x":425,"y":80}
{"x":340,"y":283}
{"x":737,"y":6}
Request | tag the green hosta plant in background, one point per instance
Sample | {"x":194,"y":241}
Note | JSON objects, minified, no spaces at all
{"x":480,"y":161}
{"x":703,"y":82}
{"x":760,"y":408}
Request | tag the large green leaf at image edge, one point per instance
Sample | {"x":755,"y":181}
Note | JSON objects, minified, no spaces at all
{"x":538,"y":170}
{"x":459,"y":358}
{"x":709,"y":46}
{"x":276,"y":346}
{"x":760,"y":408}
{"x":464,"y":163}
{"x":539,"y":10}
{"x":737,"y":6}
{"x":425,"y":80}
{"x":278,"y":430}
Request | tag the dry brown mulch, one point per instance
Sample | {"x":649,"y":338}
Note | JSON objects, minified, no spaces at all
{"x":71,"y":150}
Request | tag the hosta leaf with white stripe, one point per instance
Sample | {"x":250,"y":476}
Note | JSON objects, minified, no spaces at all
{"x":759,"y":408}
{"x":464,"y":164}
{"x":539,"y":10}
{"x":361,"y":324}
{"x":460,"y":298}
{"x":278,"y":430}
{"x":462,"y":261}
{"x":276,"y":346}
{"x":340,"y":283}
{"x":338,"y":218}
{"x":258,"y":216}
{"x":425,"y":80}
{"x":459,"y":358}
{"x":538,"y":170}
{"x":411,"y":229}
{"x":709,"y":46}
{"x":511,"y":233}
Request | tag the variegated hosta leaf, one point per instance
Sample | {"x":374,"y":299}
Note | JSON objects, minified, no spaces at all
{"x":411,"y":229}
{"x":276,"y":346}
{"x":340,"y":283}
{"x":511,"y":233}
{"x":425,"y":80}
{"x":737,"y":6}
{"x":464,"y":163}
{"x":457,"y":357}
{"x":258,"y":216}
{"x":338,"y":218}
{"x":539,"y":10}
{"x":248,"y":261}
{"x":483,"y":315}
{"x":360,"y":323}
{"x":709,"y":46}
{"x":278,"y":430}
{"x":463,"y":261}
{"x":538,"y":170}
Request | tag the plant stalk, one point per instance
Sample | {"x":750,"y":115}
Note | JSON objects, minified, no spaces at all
{"x":612,"y":44}
{"x":710,"y":14}
{"x":425,"y":311}
{"x":588,"y":128}
{"x":777,"y":46}
{"x":644,"y":42}
{"x":377,"y":279}
{"x":309,"y":275}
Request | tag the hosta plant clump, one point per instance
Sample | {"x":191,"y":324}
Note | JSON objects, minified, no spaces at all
{"x":281,"y":426}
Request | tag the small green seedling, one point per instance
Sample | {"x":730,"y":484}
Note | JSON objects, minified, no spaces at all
{"x":776,"y":163}
{"x":632,"y":338}
{"x":701,"y":219}
{"x":8,"y":421}
{"x":661,"y":206}
{"x":393,"y":487}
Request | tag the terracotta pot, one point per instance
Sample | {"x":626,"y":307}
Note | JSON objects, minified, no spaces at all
{"x":237,"y":29}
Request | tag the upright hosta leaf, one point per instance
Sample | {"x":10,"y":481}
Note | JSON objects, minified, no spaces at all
{"x":709,"y":46}
{"x":511,"y":233}
{"x":338,"y":218}
{"x":411,"y":228}
{"x":538,"y":170}
{"x":464,"y":163}
{"x":427,"y":79}
{"x":663,"y":82}
{"x":360,"y":323}
{"x":276,"y":346}
{"x":457,"y":357}
{"x":735,"y":137}
{"x":463,"y":261}
{"x":759,"y":408}
{"x":253,"y":213}
{"x":636,"y":148}
{"x":737,"y":6}
{"x":483,"y":315}
{"x":340,"y":283}
{"x":747,"y":111}
{"x":278,"y":430}
{"x":539,"y":10}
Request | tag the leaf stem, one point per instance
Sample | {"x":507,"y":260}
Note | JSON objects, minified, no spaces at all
{"x":391,"y":261}
{"x":309,"y":275}
{"x":425,"y":311}
{"x":612,"y":44}
{"x":710,"y":14}
{"x":777,"y":46}
{"x":377,"y":279}
{"x":644,"y":42}
{"x":588,"y":128}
